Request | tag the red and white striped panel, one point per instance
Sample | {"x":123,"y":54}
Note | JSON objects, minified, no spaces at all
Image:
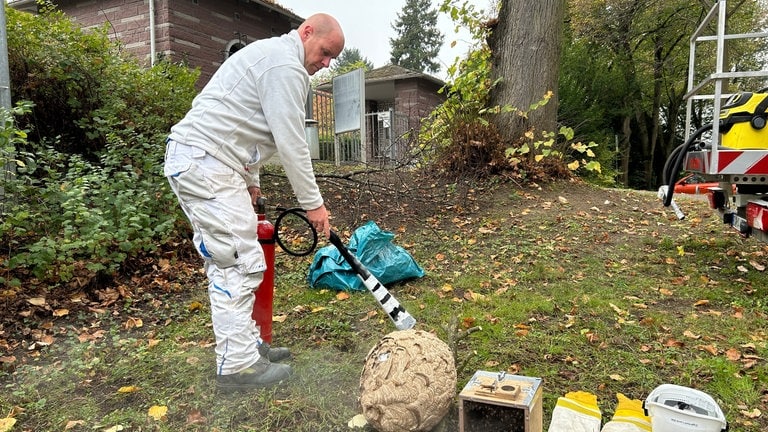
{"x":751,"y":162}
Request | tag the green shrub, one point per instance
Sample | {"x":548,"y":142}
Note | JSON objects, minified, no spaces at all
{"x":89,"y":196}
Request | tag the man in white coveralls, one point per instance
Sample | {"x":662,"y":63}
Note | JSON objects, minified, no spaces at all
{"x":253,"y":106}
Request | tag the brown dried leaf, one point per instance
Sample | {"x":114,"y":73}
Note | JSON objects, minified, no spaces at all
{"x":196,"y":417}
{"x":36,"y":301}
{"x":691,"y":335}
{"x":755,"y":413}
{"x":732,"y":354}
{"x":73,"y":424}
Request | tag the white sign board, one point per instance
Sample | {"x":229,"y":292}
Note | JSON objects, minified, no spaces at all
{"x":349,"y":101}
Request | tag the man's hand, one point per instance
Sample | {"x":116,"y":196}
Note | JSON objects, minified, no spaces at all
{"x":255,"y":192}
{"x":319,"y":219}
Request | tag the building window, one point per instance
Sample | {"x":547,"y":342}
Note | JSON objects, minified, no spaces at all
{"x":232,"y":47}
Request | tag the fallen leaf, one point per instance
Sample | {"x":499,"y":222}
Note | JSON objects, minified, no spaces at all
{"x":157,"y":412}
{"x":473,"y":296}
{"x":701,"y":303}
{"x":116,"y":428}
{"x":195,"y":306}
{"x":755,"y":413}
{"x":279,"y":318}
{"x":708,"y":348}
{"x":6,"y":424}
{"x":369,"y":315}
{"x":665,"y":292}
{"x":61,"y":312}
{"x":357,"y":421}
{"x":673,"y":343}
{"x":757,"y":266}
{"x":342,"y":295}
{"x":732,"y":354}
{"x":73,"y":424}
{"x":616,"y":377}
{"x":196,"y":417}
{"x":742,"y":269}
{"x":617,"y":309}
{"x":128,"y":389}
{"x":36,"y":301}
{"x":133,"y":323}
{"x":691,"y":335}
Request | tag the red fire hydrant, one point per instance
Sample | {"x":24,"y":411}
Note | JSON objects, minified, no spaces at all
{"x":262,"y":306}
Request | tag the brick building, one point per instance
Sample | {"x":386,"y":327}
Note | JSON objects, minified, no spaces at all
{"x":201,"y":32}
{"x":205,"y":32}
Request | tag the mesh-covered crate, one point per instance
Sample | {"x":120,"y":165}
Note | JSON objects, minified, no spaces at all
{"x":500,"y":402}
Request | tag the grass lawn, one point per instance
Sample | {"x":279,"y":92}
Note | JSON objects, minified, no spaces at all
{"x":592,"y":289}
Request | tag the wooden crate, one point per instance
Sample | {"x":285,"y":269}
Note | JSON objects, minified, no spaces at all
{"x":496,"y":402}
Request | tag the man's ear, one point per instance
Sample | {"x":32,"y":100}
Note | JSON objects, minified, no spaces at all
{"x":306,"y":32}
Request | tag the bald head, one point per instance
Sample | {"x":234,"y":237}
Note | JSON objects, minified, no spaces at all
{"x":323,"y":41}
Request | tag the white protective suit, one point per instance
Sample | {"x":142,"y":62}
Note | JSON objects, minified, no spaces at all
{"x":252,"y":108}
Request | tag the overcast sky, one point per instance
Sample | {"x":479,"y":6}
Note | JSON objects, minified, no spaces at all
{"x":367,"y":26}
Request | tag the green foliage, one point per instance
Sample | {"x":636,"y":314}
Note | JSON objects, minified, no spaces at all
{"x":86,"y":219}
{"x":540,"y":150}
{"x":418,"y":39}
{"x":463,"y":136}
{"x":11,"y":138}
{"x":59,"y":69}
{"x":624,"y":74}
{"x":89,"y":196}
{"x":349,"y":60}
{"x":82,"y":85}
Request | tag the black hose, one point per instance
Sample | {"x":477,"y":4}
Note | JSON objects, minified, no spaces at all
{"x":301,"y":214}
{"x":669,"y":162}
{"x":679,"y":159}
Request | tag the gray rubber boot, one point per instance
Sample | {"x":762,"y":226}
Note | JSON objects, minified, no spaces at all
{"x":261,"y":374}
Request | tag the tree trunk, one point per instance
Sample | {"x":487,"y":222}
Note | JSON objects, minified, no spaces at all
{"x":525,"y":48}
{"x":626,"y":149}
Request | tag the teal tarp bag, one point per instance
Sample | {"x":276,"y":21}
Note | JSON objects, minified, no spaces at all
{"x":373,"y":247}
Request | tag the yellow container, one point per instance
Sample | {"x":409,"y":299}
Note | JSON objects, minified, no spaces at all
{"x":743,"y":121}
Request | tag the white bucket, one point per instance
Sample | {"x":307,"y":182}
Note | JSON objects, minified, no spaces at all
{"x":674,"y":408}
